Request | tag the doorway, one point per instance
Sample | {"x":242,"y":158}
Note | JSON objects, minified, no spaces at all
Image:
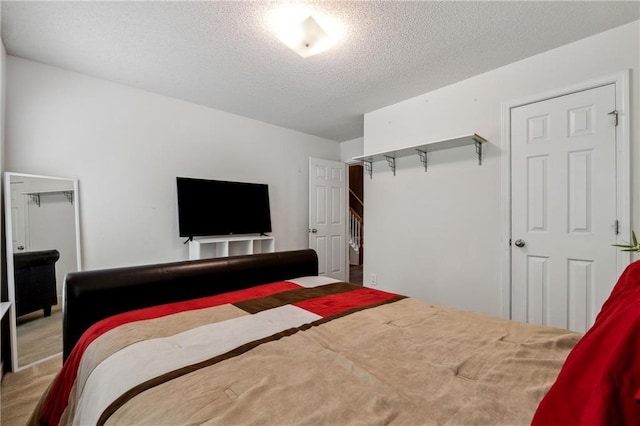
{"x":356,"y":223}
{"x":327,"y":217}
{"x":567,"y":187}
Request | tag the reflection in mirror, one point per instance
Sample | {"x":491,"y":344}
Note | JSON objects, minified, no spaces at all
{"x":41,"y":215}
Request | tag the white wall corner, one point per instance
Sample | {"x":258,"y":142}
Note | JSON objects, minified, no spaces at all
{"x":350,"y":149}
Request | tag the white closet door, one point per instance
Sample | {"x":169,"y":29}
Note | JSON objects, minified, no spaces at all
{"x":563,"y":208}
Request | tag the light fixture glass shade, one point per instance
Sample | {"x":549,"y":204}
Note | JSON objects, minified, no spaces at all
{"x":306,"y":38}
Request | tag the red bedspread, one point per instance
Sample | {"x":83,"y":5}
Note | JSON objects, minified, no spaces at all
{"x":307,"y":353}
{"x":599,"y":383}
{"x":326,"y":302}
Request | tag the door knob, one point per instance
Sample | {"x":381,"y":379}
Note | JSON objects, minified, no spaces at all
{"x":519,"y":243}
{"x":313,"y":231}
{"x":20,"y":247}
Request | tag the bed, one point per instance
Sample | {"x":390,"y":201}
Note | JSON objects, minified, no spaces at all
{"x":263,"y":340}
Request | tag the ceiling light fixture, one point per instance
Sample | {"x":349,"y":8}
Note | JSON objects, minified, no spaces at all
{"x":306,"y":33}
{"x":306,"y":38}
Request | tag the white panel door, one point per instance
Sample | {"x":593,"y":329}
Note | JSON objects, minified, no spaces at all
{"x":327,"y":212}
{"x":563,"y":168}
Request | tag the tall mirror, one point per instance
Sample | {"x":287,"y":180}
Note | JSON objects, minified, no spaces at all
{"x":43,"y":245}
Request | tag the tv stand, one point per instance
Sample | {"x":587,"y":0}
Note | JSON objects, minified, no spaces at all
{"x":203,"y":248}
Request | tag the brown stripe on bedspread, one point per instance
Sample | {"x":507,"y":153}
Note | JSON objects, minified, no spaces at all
{"x":292,"y":296}
{"x":156,"y":381}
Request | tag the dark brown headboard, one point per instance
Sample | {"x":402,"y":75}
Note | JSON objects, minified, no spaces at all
{"x":90,"y":296}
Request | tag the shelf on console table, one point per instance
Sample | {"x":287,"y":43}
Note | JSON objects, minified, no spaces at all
{"x":4,"y":308}
{"x":421,"y":150}
{"x":230,"y":246}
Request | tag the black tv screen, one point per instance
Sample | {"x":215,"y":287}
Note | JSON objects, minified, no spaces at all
{"x":216,"y":207}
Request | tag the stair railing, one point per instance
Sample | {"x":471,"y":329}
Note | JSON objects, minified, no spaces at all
{"x":355,"y":230}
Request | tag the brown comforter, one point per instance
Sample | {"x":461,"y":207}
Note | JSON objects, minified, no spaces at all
{"x":386,"y":360}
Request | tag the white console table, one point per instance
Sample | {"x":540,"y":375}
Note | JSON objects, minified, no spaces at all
{"x":230,"y":246}
{"x":5,"y":307}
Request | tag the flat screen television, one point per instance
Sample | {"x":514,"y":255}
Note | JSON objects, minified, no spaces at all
{"x":216,"y":207}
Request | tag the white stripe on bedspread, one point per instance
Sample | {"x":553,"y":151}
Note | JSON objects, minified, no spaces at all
{"x":144,"y":360}
{"x":313,"y":281}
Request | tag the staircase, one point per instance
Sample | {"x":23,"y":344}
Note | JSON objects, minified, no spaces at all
{"x":356,"y":215}
{"x":355,"y":231}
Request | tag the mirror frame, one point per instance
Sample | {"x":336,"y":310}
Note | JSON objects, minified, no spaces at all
{"x":10,"y":267}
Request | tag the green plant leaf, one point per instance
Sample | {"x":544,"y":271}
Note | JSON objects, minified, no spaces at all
{"x":633,"y":247}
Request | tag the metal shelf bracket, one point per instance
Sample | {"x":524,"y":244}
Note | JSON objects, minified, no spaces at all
{"x":423,"y":158}
{"x":35,"y":198}
{"x":69,"y":196}
{"x":478,"y":150}
{"x":391,"y":161}
{"x":368,"y":167}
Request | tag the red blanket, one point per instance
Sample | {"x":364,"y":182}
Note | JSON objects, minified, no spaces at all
{"x":599,"y":383}
{"x":327,"y":302}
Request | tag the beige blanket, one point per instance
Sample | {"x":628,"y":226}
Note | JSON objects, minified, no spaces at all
{"x":404,"y":362}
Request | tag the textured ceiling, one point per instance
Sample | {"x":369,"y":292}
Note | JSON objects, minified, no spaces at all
{"x":222,"y":54}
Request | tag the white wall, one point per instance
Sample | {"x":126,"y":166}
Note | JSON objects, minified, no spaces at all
{"x":126,"y":147}
{"x":350,"y":149}
{"x":437,"y":235}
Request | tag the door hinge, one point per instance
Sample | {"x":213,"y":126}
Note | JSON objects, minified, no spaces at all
{"x":615,"y":117}
{"x":509,"y":241}
{"x":616,"y":227}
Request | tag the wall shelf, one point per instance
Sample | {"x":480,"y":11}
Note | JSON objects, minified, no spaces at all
{"x":422,"y":150}
{"x":230,"y":246}
{"x":35,"y":195}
